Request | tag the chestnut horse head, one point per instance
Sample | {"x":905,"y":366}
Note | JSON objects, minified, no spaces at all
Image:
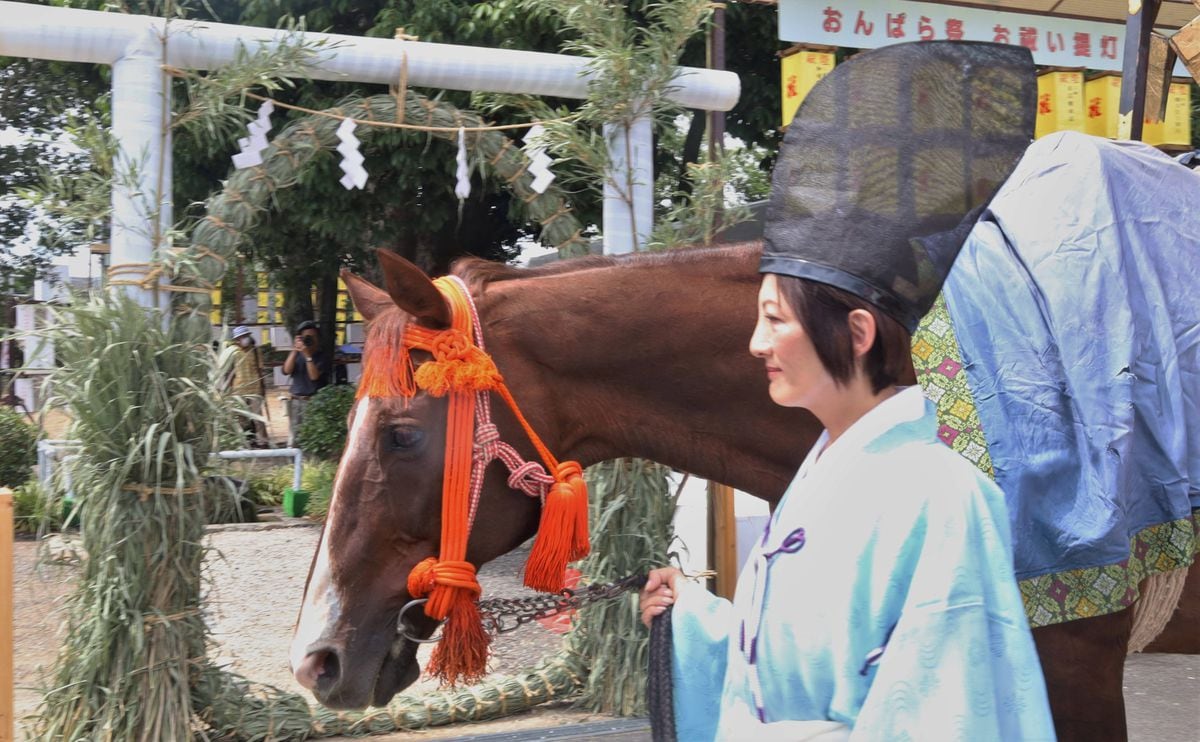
{"x":593,"y":350}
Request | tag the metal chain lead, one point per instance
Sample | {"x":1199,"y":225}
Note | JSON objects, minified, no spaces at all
{"x":502,"y":615}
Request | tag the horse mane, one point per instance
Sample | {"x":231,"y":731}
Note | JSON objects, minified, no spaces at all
{"x":387,"y":367}
{"x":478,"y":273}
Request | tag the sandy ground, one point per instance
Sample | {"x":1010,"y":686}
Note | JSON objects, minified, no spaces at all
{"x":257,"y":575}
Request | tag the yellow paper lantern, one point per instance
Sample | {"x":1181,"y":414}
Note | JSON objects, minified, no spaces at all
{"x":1175,"y":130}
{"x":215,"y":314}
{"x":1103,"y":99}
{"x":1060,"y":103}
{"x":801,"y":71}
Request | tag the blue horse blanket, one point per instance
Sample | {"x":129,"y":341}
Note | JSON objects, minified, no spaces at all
{"x":1076,"y":305}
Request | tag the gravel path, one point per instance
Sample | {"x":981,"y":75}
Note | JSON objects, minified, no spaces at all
{"x":271,"y":565}
{"x":257,"y":575}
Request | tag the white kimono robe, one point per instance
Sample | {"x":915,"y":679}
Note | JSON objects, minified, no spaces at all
{"x":881,"y":597}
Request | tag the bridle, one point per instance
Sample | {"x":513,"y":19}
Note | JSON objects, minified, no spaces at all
{"x":462,"y":371}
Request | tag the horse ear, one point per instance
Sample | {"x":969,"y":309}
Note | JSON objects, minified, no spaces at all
{"x":413,"y":291}
{"x":369,"y":299}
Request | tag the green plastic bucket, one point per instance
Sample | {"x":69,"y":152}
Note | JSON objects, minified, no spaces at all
{"x":295,"y":502}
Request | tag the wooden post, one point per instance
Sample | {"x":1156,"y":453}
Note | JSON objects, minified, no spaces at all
{"x":722,"y":539}
{"x":716,"y":119}
{"x":6,"y":615}
{"x":1135,"y":69}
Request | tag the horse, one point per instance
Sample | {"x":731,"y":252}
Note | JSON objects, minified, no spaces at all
{"x":646,"y":356}
{"x":640,"y":356}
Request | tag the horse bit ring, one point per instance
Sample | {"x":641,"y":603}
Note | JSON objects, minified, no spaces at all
{"x":403,"y":628}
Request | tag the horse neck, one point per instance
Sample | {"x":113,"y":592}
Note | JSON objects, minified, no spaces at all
{"x":647,"y":357}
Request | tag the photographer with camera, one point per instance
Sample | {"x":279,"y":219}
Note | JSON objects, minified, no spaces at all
{"x":309,"y":369}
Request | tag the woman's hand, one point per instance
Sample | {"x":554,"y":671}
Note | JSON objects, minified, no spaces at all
{"x":658,"y":594}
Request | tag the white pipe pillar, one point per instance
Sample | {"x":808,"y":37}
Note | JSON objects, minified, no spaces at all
{"x":141,"y":194}
{"x":629,"y":187}
{"x":74,"y":35}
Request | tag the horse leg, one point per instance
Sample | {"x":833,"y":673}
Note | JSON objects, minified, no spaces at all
{"x":1084,"y":665}
{"x":1182,"y":633}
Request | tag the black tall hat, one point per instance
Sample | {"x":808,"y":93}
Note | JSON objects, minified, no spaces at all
{"x":888,"y":163}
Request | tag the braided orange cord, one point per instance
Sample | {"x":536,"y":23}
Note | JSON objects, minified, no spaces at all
{"x":450,"y":580}
{"x":460,"y":364}
{"x":459,"y":370}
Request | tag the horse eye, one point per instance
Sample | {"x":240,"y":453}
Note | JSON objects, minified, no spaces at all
{"x":406,"y":439}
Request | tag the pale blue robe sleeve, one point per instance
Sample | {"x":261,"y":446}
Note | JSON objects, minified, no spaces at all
{"x":960,"y":662}
{"x":700,"y":625}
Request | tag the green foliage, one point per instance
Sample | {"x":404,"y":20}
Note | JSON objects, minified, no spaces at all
{"x":323,"y":432}
{"x":18,"y":448}
{"x":631,"y":529}
{"x":35,"y":509}
{"x":751,"y":40}
{"x":317,"y":480}
{"x":76,"y":201}
{"x":266,"y":486}
{"x":210,"y":114}
{"x":1195,"y":115}
{"x":227,"y":500}
{"x":38,"y":100}
{"x":315,"y":228}
{"x":636,"y":47}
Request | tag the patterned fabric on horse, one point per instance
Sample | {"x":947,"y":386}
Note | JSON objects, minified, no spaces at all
{"x":1077,"y":333}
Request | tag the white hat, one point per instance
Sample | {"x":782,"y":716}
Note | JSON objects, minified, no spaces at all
{"x":240,"y":331}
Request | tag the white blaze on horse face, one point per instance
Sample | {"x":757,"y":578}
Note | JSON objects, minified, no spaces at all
{"x":322,"y":605}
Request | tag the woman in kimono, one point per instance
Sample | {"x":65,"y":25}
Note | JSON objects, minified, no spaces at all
{"x":880,"y":601}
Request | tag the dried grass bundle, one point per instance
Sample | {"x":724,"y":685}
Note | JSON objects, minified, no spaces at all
{"x":146,"y":410}
{"x":632,"y":511}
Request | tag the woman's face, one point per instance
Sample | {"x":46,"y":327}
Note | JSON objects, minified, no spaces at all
{"x":797,"y":376}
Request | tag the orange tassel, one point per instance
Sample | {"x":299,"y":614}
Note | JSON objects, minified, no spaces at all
{"x":462,"y":653}
{"x":562,"y":533}
{"x":452,"y":591}
{"x":469,"y":371}
{"x":572,"y":474}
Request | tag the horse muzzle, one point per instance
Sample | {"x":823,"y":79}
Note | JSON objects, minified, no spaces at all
{"x":338,"y":682}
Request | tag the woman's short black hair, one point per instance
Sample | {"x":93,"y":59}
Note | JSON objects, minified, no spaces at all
{"x":823,"y":312}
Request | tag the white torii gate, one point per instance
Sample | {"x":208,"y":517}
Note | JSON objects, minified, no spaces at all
{"x":136,"y":48}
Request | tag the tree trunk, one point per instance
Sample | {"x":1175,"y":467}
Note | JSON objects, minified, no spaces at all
{"x":297,"y":297}
{"x":691,"y":149}
{"x":327,"y":293}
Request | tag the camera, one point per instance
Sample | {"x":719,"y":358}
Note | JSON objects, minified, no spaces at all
{"x":308,"y":340}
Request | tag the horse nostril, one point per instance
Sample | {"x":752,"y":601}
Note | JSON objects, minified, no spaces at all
{"x":319,"y":667}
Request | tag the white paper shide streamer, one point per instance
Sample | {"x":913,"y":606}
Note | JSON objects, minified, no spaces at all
{"x":352,"y":160}
{"x":462,"y":187}
{"x":539,"y":161}
{"x":254,"y":144}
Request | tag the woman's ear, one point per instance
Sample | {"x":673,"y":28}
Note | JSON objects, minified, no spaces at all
{"x":862,"y":332}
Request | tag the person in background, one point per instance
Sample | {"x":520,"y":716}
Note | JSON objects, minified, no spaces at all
{"x":309,"y":370}
{"x":247,"y":382}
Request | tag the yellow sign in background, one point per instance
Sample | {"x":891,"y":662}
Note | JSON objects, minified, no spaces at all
{"x":801,"y":71}
{"x":1175,"y":130}
{"x":1060,"y":103}
{"x":1103,"y":96}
